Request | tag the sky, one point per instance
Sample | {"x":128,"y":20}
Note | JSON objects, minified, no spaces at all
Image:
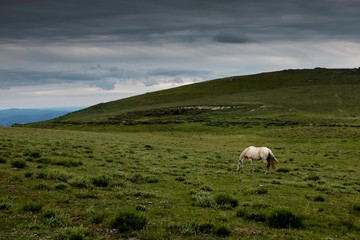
{"x":80,"y":53}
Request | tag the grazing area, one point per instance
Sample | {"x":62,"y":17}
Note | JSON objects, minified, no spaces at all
{"x":156,"y":167}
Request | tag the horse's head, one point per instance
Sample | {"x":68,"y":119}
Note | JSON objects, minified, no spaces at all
{"x":240,"y":163}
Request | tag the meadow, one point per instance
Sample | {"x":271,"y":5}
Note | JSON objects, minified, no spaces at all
{"x":162,"y":165}
{"x":179,"y":181}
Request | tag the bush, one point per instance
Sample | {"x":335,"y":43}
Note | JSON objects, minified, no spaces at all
{"x":100,"y":181}
{"x":138,"y":178}
{"x":283,"y":170}
{"x":2,"y":160}
{"x":128,"y":221}
{"x":5,"y":203}
{"x":223,"y":231}
{"x":223,"y":199}
{"x":205,"y":227}
{"x":79,"y":182}
{"x":356,"y":207}
{"x":261,"y":190}
{"x":319,"y":198}
{"x":98,"y":217}
{"x":257,"y":217}
{"x":33,"y":207}
{"x":18,"y":163}
{"x":283,"y":218}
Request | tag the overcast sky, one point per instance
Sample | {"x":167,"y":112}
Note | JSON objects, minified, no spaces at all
{"x":83,"y":52}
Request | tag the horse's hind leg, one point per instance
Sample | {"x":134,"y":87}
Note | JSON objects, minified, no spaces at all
{"x":267,"y":168}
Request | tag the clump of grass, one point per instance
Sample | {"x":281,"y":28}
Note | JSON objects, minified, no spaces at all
{"x":98,"y":217}
{"x":319,"y":198}
{"x":180,"y":179}
{"x":73,"y":233}
{"x":356,"y":207}
{"x":28,"y":174}
{"x":205,"y":227}
{"x":139,"y":179}
{"x":313,"y":178}
{"x":282,"y":218}
{"x":68,"y":163}
{"x":224,"y":199}
{"x":261,"y":190}
{"x":79,"y":182}
{"x":33,"y":207}
{"x":2,"y":160}
{"x":5,"y":203}
{"x":42,"y":187}
{"x":283,"y":170}
{"x":100,"y":181}
{"x":61,"y":186}
{"x":128,"y":221}
{"x":251,"y":216}
{"x":54,"y":175}
{"x":203,"y":199}
{"x":18,"y":163}
{"x":223,"y":231}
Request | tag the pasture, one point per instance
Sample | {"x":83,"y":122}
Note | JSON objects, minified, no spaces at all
{"x":179,"y":181}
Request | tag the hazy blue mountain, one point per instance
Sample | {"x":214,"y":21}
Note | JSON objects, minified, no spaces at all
{"x":9,"y":117}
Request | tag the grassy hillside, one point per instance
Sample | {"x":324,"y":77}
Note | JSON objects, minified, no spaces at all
{"x":290,"y":96}
{"x":163,"y":165}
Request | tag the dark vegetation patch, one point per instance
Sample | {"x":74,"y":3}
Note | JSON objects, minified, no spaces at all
{"x":128,"y":221}
{"x":18,"y":163}
{"x":33,"y":207}
{"x":283,"y":218}
{"x":224,"y":199}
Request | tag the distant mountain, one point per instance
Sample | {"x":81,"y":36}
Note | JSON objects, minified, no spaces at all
{"x":12,"y":116}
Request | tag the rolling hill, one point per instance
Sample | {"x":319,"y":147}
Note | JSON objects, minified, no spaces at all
{"x":318,"y":96}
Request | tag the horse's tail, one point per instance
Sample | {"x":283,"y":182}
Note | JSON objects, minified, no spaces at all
{"x":272,"y":159}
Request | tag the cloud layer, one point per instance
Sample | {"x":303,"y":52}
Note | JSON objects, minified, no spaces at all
{"x":112,"y":46}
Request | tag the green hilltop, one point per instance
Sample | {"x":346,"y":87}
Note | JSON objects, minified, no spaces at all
{"x":310,"y":96}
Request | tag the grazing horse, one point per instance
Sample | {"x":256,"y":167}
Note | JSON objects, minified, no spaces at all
{"x":257,"y":153}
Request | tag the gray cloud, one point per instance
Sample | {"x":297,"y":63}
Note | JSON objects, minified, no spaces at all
{"x":156,"y":43}
{"x":182,"y":21}
{"x":104,"y":77}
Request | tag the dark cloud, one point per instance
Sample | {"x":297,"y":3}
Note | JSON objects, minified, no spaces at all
{"x":166,"y":20}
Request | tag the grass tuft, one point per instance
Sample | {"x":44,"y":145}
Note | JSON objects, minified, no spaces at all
{"x":283,"y":218}
{"x":128,"y":221}
{"x":224,"y":199}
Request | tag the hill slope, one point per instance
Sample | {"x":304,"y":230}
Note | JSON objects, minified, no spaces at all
{"x":288,"y":95}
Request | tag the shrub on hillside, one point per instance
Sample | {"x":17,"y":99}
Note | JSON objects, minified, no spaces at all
{"x":224,"y":199}
{"x":2,"y":160}
{"x":18,"y":163}
{"x":128,"y":221}
{"x":100,"y":181}
{"x":33,"y":207}
{"x":283,"y":218}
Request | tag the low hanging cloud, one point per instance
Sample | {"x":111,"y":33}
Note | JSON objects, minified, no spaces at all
{"x":104,"y":77}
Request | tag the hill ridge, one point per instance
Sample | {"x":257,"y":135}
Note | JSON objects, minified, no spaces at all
{"x":310,"y":93}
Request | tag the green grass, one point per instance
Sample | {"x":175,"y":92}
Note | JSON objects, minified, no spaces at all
{"x":163,"y":165}
{"x":289,"y":97}
{"x":180,"y":196}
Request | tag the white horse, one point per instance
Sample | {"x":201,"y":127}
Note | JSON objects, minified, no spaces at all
{"x":257,"y":153}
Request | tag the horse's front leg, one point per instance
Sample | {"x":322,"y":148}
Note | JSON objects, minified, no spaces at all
{"x":252,"y":165}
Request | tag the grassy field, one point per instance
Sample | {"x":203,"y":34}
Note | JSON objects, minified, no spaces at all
{"x":179,"y":181}
{"x":163,"y":165}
